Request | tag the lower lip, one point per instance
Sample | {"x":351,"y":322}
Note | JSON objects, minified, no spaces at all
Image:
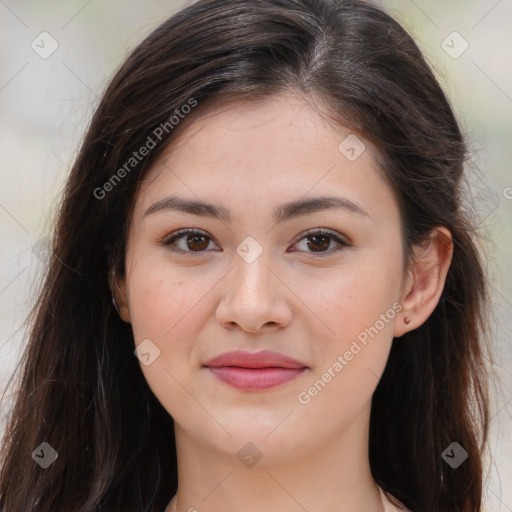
{"x":255,"y":379}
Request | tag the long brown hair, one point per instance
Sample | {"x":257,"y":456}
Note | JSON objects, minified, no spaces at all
{"x":81,"y":389}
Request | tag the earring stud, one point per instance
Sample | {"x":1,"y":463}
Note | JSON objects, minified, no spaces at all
{"x":407,"y":320}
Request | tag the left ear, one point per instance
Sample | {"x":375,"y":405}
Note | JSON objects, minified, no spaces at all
{"x":426,"y":279}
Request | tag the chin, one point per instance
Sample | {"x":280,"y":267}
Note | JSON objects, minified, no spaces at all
{"x":274,"y":445}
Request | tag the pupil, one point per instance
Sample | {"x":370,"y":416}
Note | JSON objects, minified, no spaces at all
{"x":325,"y":239}
{"x":194,"y":240}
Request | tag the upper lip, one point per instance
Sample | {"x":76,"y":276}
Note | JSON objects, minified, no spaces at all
{"x":262,"y":359}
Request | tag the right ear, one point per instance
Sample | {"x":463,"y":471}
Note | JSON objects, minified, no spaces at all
{"x":118,"y":289}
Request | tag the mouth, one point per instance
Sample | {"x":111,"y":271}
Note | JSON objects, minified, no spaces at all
{"x":255,"y":371}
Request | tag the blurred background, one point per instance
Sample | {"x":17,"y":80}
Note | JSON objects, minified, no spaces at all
{"x":58,"y":56}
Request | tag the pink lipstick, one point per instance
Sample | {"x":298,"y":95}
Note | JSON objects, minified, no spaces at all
{"x":254,"y":371}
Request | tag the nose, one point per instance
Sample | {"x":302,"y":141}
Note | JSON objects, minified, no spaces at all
{"x":254,"y":297}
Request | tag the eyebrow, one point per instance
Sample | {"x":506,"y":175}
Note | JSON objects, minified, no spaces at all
{"x":281,"y":213}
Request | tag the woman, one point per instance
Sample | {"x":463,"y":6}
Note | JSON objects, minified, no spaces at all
{"x":263,"y":290}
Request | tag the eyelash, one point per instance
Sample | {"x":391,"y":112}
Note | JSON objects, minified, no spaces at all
{"x":173,"y":237}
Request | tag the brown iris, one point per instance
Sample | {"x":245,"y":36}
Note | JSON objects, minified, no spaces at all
{"x":199,"y":239}
{"x":324,"y":243}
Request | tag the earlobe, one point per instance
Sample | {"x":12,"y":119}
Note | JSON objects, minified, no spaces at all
{"x":119,"y":297}
{"x":426,"y":280}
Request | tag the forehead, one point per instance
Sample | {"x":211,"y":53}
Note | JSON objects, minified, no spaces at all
{"x":249,"y":151}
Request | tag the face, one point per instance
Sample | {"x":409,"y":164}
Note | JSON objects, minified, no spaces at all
{"x":320,"y":283}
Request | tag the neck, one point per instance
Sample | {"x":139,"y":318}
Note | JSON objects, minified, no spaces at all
{"x":334,"y":476}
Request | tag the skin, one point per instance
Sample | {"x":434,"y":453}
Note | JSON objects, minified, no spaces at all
{"x":250,"y":157}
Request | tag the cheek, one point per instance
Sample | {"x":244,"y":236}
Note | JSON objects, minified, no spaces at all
{"x":354,"y":296}
{"x":351,"y":359}
{"x":165,"y":308}
{"x":164,"y":304}
{"x":357,"y":305}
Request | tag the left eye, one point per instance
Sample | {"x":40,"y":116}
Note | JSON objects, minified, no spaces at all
{"x":321,"y":239}
{"x":197,"y":241}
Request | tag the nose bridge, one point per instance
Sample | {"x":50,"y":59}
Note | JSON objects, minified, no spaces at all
{"x":252,"y":295}
{"x":252,"y":275}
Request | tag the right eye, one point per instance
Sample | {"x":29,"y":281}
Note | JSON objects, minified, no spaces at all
{"x":192,"y":241}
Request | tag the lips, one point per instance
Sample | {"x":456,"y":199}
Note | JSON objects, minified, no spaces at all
{"x":254,"y":371}
{"x":263,"y":359}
